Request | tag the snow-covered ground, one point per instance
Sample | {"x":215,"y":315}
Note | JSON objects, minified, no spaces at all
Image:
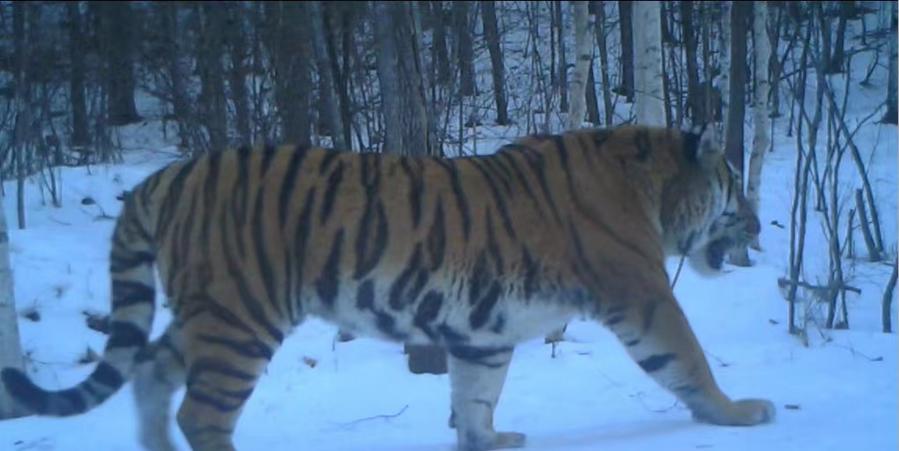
{"x":838,"y":391}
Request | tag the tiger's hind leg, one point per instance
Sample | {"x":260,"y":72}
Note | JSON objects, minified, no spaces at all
{"x":224,"y":358}
{"x":158,"y":375}
{"x":659,"y":338}
{"x":477,"y":376}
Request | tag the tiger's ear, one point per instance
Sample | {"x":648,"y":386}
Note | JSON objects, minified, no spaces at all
{"x":701,"y":144}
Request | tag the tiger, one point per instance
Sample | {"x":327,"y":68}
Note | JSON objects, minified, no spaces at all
{"x":473,"y":254}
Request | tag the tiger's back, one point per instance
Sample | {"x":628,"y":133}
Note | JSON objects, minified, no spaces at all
{"x":474,"y":254}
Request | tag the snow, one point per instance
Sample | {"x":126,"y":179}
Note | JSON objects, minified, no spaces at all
{"x":840,"y":386}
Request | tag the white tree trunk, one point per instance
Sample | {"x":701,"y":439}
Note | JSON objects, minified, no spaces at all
{"x":10,"y":348}
{"x":760,"y":109}
{"x":650,"y":100}
{"x":724,"y":67}
{"x":583,"y":34}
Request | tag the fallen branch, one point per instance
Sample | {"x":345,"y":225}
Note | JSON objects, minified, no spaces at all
{"x":819,"y":290}
{"x":375,"y":417}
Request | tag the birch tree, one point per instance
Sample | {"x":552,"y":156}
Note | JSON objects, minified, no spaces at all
{"x":648,"y":87}
{"x":10,"y":349}
{"x":583,"y":34}
{"x":760,"y":110}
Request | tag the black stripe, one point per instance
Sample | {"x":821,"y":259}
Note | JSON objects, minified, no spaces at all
{"x":583,"y":261}
{"x":249,"y":302}
{"x":263,"y":260}
{"x":268,"y":154}
{"x":414,"y":277}
{"x":173,"y":196}
{"x":643,"y":144}
{"x":327,"y":283}
{"x":251,"y":348}
{"x":450,"y":336}
{"x":649,"y":315}
{"x":492,"y":244}
{"x":331,"y":192}
{"x":531,"y":269}
{"x":371,"y":238}
{"x":479,"y":279}
{"x":612,"y":320}
{"x":387,"y":325}
{"x":121,"y":262}
{"x":74,"y":399}
{"x":499,"y":170}
{"x":416,"y":188}
{"x":481,"y":312}
{"x":509,"y":157}
{"x":290,"y":181}
{"x":197,"y":395}
{"x":459,"y":194}
{"x":427,"y":311}
{"x":24,"y":391}
{"x":127,"y":293}
{"x":537,"y":164}
{"x":365,"y":296}
{"x":656,"y":362}
{"x":436,"y":239}
{"x":480,"y":356}
{"x":124,"y":334}
{"x":219,"y":368}
{"x":498,"y":199}
{"x":303,"y":230}
{"x":327,"y":160}
{"x":562,"y":151}
{"x":107,"y":375}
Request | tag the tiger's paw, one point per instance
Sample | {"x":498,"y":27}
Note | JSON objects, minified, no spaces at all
{"x":497,"y":440}
{"x":745,"y":412}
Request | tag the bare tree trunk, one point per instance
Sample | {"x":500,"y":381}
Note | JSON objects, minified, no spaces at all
{"x":890,"y":117}
{"x":608,"y":109}
{"x":736,"y":112}
{"x":388,"y":77}
{"x":236,"y":41}
{"x":291,"y":55}
{"x":625,"y":16}
{"x":887,"y":303}
{"x":583,"y":34}
{"x":873,"y":251}
{"x":760,"y":117}
{"x":322,"y":60}
{"x":694,"y":102}
{"x":117,"y":29}
{"x":440,"y":53}
{"x":724,"y":63}
{"x":562,"y":78}
{"x":491,"y":35}
{"x":22,"y":37}
{"x":213,"y":104}
{"x":464,"y":47}
{"x":181,"y":106}
{"x":77,"y":50}
{"x":648,"y":85}
{"x":836,"y":61}
{"x":10,"y":346}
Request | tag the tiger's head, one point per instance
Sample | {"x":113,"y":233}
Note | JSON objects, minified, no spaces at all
{"x":705,"y":213}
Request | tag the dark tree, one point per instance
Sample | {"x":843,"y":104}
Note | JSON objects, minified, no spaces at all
{"x":736,"y":111}
{"x":288,"y":41}
{"x":491,"y":35}
{"x":116,"y":35}
{"x":77,"y":50}
{"x":440,"y":53}
{"x":464,"y":47}
{"x":212,"y":101}
{"x":625,"y":16}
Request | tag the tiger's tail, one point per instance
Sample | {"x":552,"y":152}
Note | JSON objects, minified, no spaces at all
{"x":133,"y":305}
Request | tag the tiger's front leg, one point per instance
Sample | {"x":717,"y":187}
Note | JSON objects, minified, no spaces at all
{"x":476,"y":380}
{"x":658,"y":337}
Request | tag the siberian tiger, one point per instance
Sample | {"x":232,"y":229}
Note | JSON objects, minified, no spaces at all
{"x":474,"y":254}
